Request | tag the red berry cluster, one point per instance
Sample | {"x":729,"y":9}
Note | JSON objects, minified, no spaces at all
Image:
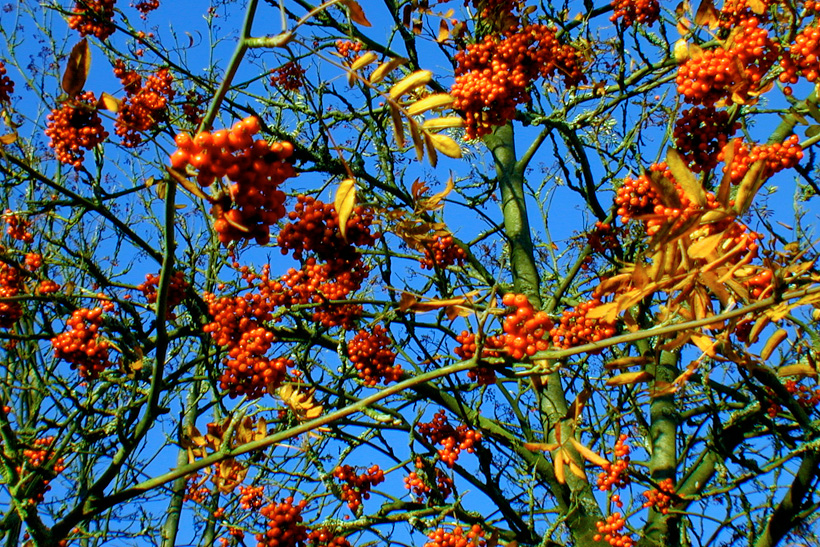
{"x":144,"y":105}
{"x":602,"y":238}
{"x":193,"y":107}
{"x":47,"y":286}
{"x":611,"y":531}
{"x":370,"y":353}
{"x":722,"y":74}
{"x":94,"y":17}
{"x":734,"y":12}
{"x":760,"y":285}
{"x":356,"y":487}
{"x":145,"y":7}
{"x":195,"y":489}
{"x":635,"y":11}
{"x":176,"y":290}
{"x":256,"y":169}
{"x":81,"y":345}
{"x":575,"y":329}
{"x":456,"y":537}
{"x":248,"y":371}
{"x":36,"y":457}
{"x":11,"y":283}
{"x":251,"y":497}
{"x":700,"y":135}
{"x":442,"y":252}
{"x":75,"y":127}
{"x":420,"y":483}
{"x":284,"y":523}
{"x":17,"y":227}
{"x":314,"y":227}
{"x":806,"y":396}
{"x":33,"y":261}
{"x":777,"y":157}
{"x":493,"y":76}
{"x":483,"y":375}
{"x":6,"y":85}
{"x":660,"y":498}
{"x":526,"y":331}
{"x":801,"y":58}
{"x":288,"y":77}
{"x":324,"y":537}
{"x":452,"y":439}
{"x":614,"y":475}
{"x":346,"y":48}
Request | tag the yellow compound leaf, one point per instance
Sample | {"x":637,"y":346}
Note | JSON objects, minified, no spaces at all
{"x":430,"y":102}
{"x":443,"y":123}
{"x":356,"y":12}
{"x":410,"y":82}
{"x":77,"y":68}
{"x":446,"y":145}
{"x":771,"y":344}
{"x":345,"y":202}
{"x":386,"y":68}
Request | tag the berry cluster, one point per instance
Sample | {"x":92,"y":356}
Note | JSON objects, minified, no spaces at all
{"x":324,"y":537}
{"x":47,"y":286}
{"x":660,"y":498}
{"x":700,"y":135}
{"x":525,"y":330}
{"x":176,"y":290}
{"x":442,"y":252}
{"x":602,"y":238}
{"x":75,"y":127}
{"x":314,"y":227}
{"x":777,"y":157}
{"x":729,"y":74}
{"x":145,"y":7}
{"x":6,"y":85}
{"x":370,"y":353}
{"x":193,"y":107}
{"x":195,"y":489}
{"x":575,"y":328}
{"x":760,"y":285}
{"x":81,"y":345}
{"x":346,"y":48}
{"x":356,"y":487}
{"x":734,"y":12}
{"x":420,"y":483}
{"x":36,"y":456}
{"x":635,"y":11}
{"x":452,"y":439}
{"x":806,"y":396}
{"x":611,"y":531}
{"x":11,"y":283}
{"x":256,"y":169}
{"x":284,"y":523}
{"x":801,"y":58}
{"x":251,"y":497}
{"x":615,"y":475}
{"x":93,"y":17}
{"x":248,"y":371}
{"x":144,"y":105}
{"x":456,"y":537}
{"x":483,"y":374}
{"x":17,"y":227}
{"x":33,"y":261}
{"x":493,"y":76}
{"x":288,"y":77}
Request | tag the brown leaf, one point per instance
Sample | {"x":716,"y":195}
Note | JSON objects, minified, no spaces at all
{"x":771,"y":344}
{"x":185,"y":183}
{"x":77,"y":68}
{"x":434,"y":202}
{"x":749,"y":186}
{"x":345,"y":202}
{"x":577,"y":406}
{"x":666,"y":190}
{"x":623,"y":362}
{"x":629,"y":378}
{"x":707,"y":14}
{"x":356,"y":12}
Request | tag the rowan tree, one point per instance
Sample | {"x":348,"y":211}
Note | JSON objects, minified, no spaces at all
{"x":411,"y":272}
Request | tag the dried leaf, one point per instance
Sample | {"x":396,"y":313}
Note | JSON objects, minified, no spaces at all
{"x":771,"y":344}
{"x":8,"y":138}
{"x":446,"y":145}
{"x":344,"y":202}
{"x":761,"y":323}
{"x":410,"y":82}
{"x":443,"y":123}
{"x":183,"y":181}
{"x":437,"y":100}
{"x":443,"y":32}
{"x":608,"y":312}
{"x":431,"y":305}
{"x":407,"y":301}
{"x":588,"y":454}
{"x":398,"y":125}
{"x":691,"y":187}
{"x":666,"y":190}
{"x":577,"y":406}
{"x":704,"y":344}
{"x":109,"y":102}
{"x":629,"y":378}
{"x":386,"y":68}
{"x":77,"y":68}
{"x":707,"y":14}
{"x":356,"y":12}
{"x":749,"y":186}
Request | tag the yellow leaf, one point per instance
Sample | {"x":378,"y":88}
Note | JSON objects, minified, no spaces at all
{"x":443,"y":123}
{"x":691,"y":187}
{"x":418,"y":142}
{"x":443,"y":32}
{"x":543,"y":447}
{"x":410,"y":82}
{"x":356,"y":12}
{"x":576,"y":470}
{"x":363,"y":60}
{"x":345,"y":201}
{"x":398,"y":125}
{"x":704,"y":344}
{"x":588,"y":454}
{"x":608,"y":311}
{"x":629,"y":378}
{"x":446,"y":145}
{"x":432,"y":155}
{"x":77,"y":68}
{"x":109,"y":102}
{"x":8,"y":138}
{"x":707,"y":14}
{"x":623,"y":362}
{"x":797,"y":370}
{"x":437,"y":100}
{"x":681,"y":51}
{"x":559,"y":467}
{"x":749,"y":186}
{"x":704,"y":247}
{"x":762,"y":322}
{"x":771,"y":344}
{"x":386,"y":68}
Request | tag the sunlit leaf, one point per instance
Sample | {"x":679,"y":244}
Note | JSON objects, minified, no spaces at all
{"x":410,"y":82}
{"x":443,"y":32}
{"x":356,"y":12}
{"x":345,"y":202}
{"x":8,"y":138}
{"x":588,"y":454}
{"x":186,"y":183}
{"x":430,"y":102}
{"x":398,"y":125}
{"x":802,"y":370}
{"x":771,"y":344}
{"x":386,"y":68}
{"x":443,"y":123}
{"x":749,"y":186}
{"x":446,"y":145}
{"x":418,"y":140}
{"x":540,"y":447}
{"x":683,"y":175}
{"x":432,"y":154}
{"x":109,"y":102}
{"x":77,"y":68}
{"x":629,"y":378}
{"x":623,"y":362}
{"x":704,"y":247}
